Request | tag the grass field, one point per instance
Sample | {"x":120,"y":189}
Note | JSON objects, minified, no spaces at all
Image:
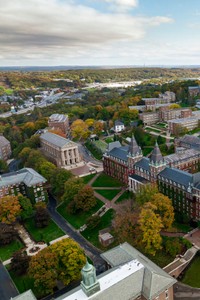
{"x":100,"y":144}
{"x":108,"y":194}
{"x":46,"y":234}
{"x":125,"y":196}
{"x":7,"y":250}
{"x":87,"y":178}
{"x":192,"y":274}
{"x":106,"y":181}
{"x":92,"y":234}
{"x":78,"y":220}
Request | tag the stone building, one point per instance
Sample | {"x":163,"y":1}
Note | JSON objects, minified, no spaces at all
{"x":25,"y":181}
{"x":130,"y":275}
{"x":61,"y":151}
{"x":59,"y":121}
{"x":5,"y":148}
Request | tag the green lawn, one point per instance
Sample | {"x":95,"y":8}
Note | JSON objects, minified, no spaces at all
{"x":152,"y":129}
{"x":108,"y":194}
{"x":106,"y":181}
{"x":46,"y":234}
{"x":161,"y":258}
{"x":125,"y":196}
{"x":92,"y":234}
{"x":7,"y":250}
{"x":87,"y":178}
{"x":100,"y":144}
{"x":23,"y":283}
{"x":78,"y":220}
{"x":192,"y":274}
{"x":109,"y":140}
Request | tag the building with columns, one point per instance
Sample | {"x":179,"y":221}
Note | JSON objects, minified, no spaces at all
{"x":59,"y":150}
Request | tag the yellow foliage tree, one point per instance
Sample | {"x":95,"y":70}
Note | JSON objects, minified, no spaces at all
{"x":9,"y":209}
{"x":174,"y":106}
{"x":80,"y":129}
{"x":164,"y":209}
{"x":150,"y":224}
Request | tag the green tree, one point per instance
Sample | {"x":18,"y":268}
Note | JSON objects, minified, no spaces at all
{"x":26,"y":207}
{"x":47,"y":170}
{"x":3,"y":166}
{"x":58,"y":180}
{"x":146,"y":193}
{"x":41,"y":216}
{"x":71,"y":188}
{"x":93,"y":221}
{"x":85,"y":199}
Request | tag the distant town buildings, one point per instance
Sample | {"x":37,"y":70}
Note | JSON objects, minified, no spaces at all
{"x":59,"y":121}
{"x":25,"y":181}
{"x":5,"y":148}
{"x":61,"y":151}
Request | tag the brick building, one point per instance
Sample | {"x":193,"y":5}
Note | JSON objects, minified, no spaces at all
{"x":176,"y":126}
{"x":59,"y":121}
{"x":5,"y":148}
{"x":61,"y":151}
{"x":194,"y":90}
{"x":171,"y":173}
{"x":25,"y":181}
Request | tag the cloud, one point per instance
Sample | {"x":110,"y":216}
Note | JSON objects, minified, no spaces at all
{"x":53,"y":30}
{"x":122,"y":4}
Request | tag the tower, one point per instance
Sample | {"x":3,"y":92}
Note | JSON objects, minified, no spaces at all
{"x":89,"y":283}
{"x":134,"y":154}
{"x":157,"y":163}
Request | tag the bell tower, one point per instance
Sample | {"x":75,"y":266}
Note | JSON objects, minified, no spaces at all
{"x":157,"y":163}
{"x":134,"y":154}
{"x":89,"y":283}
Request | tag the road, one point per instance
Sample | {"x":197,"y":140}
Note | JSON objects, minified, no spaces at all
{"x":87,"y":155}
{"x":7,"y":288}
{"x":92,"y":252}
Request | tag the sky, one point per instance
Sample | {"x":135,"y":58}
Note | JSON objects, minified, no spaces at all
{"x":99,"y":32}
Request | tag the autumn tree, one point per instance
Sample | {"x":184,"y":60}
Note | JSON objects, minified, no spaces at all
{"x":125,"y":225}
{"x":71,"y":259}
{"x":43,"y":268}
{"x":85,"y":199}
{"x":7,"y":233}
{"x":164,"y":208}
{"x":20,"y":262}
{"x":9,"y":209}
{"x":58,"y":131}
{"x":79,"y":129}
{"x":150,"y":225}
{"x":62,"y":260}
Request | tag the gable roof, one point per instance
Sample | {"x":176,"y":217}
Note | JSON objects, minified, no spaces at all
{"x":143,"y":163}
{"x":118,"y":122}
{"x":28,"y":176}
{"x":155,"y":279}
{"x":113,"y":145}
{"x":120,"y":153}
{"x":55,"y":139}
{"x":3,"y":141}
{"x":177,"y":176}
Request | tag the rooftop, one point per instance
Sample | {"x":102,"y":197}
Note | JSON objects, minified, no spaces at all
{"x":27,"y":175}
{"x":58,"y":118}
{"x":120,"y":153}
{"x":3,"y":141}
{"x":143,"y":163}
{"x":28,"y":295}
{"x":176,"y":175}
{"x":183,"y":155}
{"x":184,"y":120}
{"x":55,"y":139}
